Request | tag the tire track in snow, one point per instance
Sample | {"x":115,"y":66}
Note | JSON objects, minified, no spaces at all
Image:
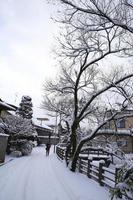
{"x":22,"y":189}
{"x":66,"y":187}
{"x":38,"y":177}
{"x":59,"y":177}
{"x":11,"y":172}
{"x":14,"y":183}
{"x":35,"y":189}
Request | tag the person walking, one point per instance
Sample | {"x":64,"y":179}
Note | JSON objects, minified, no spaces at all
{"x":48,"y":145}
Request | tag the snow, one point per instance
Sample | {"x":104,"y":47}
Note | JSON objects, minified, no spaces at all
{"x":2,"y":125}
{"x":6,"y":105}
{"x":97,"y":156}
{"x":47,"y":137}
{"x":129,"y":156}
{"x":125,"y":132}
{"x":37,"y":123}
{"x":4,"y":135}
{"x":37,"y":177}
{"x":83,"y":155}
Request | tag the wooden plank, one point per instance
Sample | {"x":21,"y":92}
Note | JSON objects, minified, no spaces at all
{"x":94,"y":176}
{"x":108,"y":178}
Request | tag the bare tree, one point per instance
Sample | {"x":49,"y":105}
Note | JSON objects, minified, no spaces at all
{"x":97,"y":15}
{"x":102,"y":13}
{"x":92,"y":32}
{"x":88,"y":91}
{"x":58,"y":95}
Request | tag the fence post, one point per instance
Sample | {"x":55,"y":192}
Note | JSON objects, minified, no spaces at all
{"x":116,"y":175}
{"x":79,"y":165}
{"x":57,"y":150}
{"x":101,"y":173}
{"x":63,"y":154}
{"x":89,"y":168}
{"x":112,"y":158}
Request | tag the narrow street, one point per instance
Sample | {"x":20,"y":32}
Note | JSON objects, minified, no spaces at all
{"x":37,"y":177}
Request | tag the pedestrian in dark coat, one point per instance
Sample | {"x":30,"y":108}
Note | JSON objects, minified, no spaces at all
{"x":48,"y":145}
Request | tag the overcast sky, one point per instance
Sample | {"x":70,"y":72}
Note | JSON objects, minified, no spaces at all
{"x":26,"y":42}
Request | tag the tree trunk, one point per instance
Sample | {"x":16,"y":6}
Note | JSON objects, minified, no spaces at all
{"x":75,"y":157}
{"x":67,"y":153}
{"x":74,"y":135}
{"x":73,"y":143}
{"x":71,"y":146}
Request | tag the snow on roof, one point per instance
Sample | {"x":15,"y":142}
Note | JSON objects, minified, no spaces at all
{"x":37,"y":123}
{"x":4,"y":135}
{"x":2,"y":125}
{"x":54,"y":137}
{"x":125,"y":132}
{"x":6,"y":106}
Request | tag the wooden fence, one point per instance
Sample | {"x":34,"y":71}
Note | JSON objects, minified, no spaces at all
{"x":60,"y":152}
{"x":99,"y":152}
{"x":93,"y":169}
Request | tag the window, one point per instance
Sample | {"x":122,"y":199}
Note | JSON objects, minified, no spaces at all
{"x":121,"y":123}
{"x":122,"y":143}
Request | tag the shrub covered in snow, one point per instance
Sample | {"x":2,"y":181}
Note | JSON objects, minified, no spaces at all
{"x":26,"y":148}
{"x":16,"y":153}
{"x":21,"y":134}
{"x":124,"y":186}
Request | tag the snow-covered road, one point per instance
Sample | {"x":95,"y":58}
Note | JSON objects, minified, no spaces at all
{"x":37,"y":177}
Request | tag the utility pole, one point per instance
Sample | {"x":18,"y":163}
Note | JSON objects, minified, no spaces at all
{"x":55,"y":133}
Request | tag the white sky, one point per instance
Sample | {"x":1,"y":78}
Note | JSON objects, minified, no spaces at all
{"x":26,"y":42}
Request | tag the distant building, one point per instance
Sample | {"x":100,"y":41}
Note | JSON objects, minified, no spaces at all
{"x":45,"y":133}
{"x":5,"y":109}
{"x":123,"y":123}
{"x":119,"y":131}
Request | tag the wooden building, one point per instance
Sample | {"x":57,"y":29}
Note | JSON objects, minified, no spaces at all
{"x":122,"y":138}
{"x":119,"y":131}
{"x":45,"y":134}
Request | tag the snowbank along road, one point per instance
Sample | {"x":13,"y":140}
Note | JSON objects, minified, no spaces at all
{"x":37,"y":177}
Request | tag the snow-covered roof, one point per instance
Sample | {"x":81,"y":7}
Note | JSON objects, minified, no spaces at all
{"x":4,"y":135}
{"x":37,"y":123}
{"x":124,"y":132}
{"x":6,"y":106}
{"x":2,"y":125}
{"x":54,"y":137}
{"x":44,"y":126}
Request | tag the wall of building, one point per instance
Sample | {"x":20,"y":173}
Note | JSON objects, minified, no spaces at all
{"x":129,"y":122}
{"x":125,"y":143}
{"x":4,"y":113}
{"x":128,"y":148}
{"x":52,"y":140}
